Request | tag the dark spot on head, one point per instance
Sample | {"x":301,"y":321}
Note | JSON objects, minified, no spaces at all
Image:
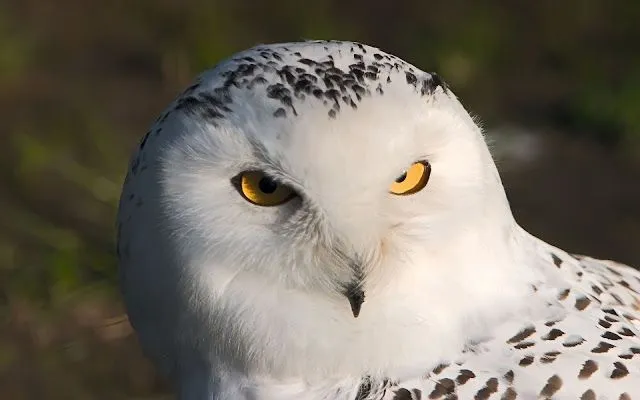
{"x":144,"y":140}
{"x":437,"y":81}
{"x":411,"y":78}
{"x":371,"y":75}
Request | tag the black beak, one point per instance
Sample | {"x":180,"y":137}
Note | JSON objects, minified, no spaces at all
{"x":353,"y":289}
{"x":355,"y":295}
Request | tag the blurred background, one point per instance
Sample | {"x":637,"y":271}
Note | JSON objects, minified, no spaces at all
{"x":556,"y":84}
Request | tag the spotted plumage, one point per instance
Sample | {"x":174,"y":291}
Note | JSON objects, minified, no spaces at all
{"x":584,"y":351}
{"x":341,"y":289}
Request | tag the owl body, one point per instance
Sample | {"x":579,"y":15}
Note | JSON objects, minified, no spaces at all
{"x":322,"y":220}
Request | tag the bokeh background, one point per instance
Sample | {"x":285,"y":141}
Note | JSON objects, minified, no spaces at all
{"x":557,"y":85}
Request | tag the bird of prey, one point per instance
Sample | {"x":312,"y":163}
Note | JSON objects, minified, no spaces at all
{"x":323,"y":220}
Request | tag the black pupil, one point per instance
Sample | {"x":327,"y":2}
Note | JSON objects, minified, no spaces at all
{"x":401,"y":177}
{"x":267,"y":185}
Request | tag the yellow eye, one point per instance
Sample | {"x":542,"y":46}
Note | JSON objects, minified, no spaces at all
{"x":263,"y":190}
{"x":412,"y":180}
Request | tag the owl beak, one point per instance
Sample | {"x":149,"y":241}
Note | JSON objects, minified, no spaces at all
{"x":355,"y":295}
{"x":353,"y":289}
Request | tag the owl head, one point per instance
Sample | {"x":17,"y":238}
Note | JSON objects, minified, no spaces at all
{"x":287,"y":198}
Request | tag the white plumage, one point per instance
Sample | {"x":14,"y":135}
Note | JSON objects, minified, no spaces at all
{"x":277,"y":241}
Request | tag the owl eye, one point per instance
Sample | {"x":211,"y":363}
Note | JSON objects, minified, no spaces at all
{"x":262,"y":190}
{"x":412,"y":180}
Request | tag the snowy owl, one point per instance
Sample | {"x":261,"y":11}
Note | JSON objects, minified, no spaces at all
{"x":322,"y":220}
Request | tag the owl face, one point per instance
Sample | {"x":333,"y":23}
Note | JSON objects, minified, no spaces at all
{"x":289,"y":189}
{"x":319,"y":203}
